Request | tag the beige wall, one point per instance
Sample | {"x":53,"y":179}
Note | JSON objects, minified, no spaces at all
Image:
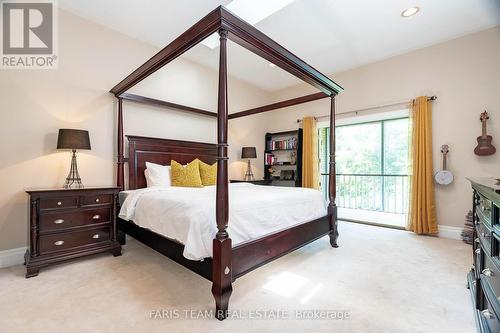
{"x":34,"y":104}
{"x":465,"y":75}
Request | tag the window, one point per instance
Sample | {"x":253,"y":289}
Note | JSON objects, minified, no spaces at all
{"x":371,"y":165}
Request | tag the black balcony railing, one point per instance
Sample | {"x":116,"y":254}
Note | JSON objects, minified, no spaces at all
{"x":382,"y":193}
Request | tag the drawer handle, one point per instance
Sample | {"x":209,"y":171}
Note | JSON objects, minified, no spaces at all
{"x":96,"y":217}
{"x":487,"y":272}
{"x":59,"y":203}
{"x":478,"y":251}
{"x":96,"y":236}
{"x":59,"y":221}
{"x":487,"y":314}
{"x":97,"y":200}
{"x":485,"y":235}
{"x":58,"y":243}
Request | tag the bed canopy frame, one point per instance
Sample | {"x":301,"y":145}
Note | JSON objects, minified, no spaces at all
{"x":228,"y":263}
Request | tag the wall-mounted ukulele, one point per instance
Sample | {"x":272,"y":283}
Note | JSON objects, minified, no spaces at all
{"x":484,"y":146}
{"x":444,"y":177}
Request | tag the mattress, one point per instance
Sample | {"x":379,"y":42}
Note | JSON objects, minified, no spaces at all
{"x":187,"y":215}
{"x":123,"y":195}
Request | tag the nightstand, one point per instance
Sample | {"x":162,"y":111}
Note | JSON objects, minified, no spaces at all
{"x":256,"y":182}
{"x":70,"y":223}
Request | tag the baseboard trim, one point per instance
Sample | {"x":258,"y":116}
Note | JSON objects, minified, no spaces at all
{"x":445,"y":231}
{"x":12,"y":257}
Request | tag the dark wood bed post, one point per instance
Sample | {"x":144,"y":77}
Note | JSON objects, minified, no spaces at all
{"x":221,"y":266}
{"x":332,"y":188}
{"x":120,"y":182}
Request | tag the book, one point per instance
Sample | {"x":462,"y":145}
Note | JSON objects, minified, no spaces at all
{"x":286,"y":144}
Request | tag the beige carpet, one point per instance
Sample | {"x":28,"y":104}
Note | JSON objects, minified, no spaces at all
{"x":387,"y":280}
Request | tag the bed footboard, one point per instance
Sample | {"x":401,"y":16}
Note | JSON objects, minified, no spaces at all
{"x":253,"y":254}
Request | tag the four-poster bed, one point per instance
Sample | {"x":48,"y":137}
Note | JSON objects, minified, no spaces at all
{"x":227,"y":262}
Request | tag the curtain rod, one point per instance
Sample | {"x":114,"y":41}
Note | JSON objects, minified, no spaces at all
{"x":432,"y":98}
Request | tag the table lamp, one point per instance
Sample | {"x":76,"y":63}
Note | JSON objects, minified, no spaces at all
{"x":73,"y":139}
{"x":248,"y":152}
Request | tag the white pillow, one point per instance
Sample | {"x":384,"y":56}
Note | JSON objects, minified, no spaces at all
{"x":157,"y":175}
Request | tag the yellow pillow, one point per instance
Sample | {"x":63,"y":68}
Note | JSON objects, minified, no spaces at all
{"x":188,"y":176}
{"x":208,"y":173}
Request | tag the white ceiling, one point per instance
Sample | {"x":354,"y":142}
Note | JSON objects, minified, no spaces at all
{"x":330,"y":35}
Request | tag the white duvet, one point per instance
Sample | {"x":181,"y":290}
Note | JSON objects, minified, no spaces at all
{"x":187,"y":215}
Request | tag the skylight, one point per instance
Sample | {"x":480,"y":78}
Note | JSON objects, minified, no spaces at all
{"x":251,"y":11}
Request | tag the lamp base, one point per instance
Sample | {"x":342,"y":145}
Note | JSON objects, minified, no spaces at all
{"x":73,"y":180}
{"x":248,"y":174}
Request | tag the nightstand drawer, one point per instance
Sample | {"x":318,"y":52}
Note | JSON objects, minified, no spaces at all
{"x":98,"y":199}
{"x":69,"y":240}
{"x":56,"y":203}
{"x":63,"y":220}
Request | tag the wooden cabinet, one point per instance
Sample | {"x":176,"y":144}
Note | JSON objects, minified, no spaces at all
{"x":70,"y":223}
{"x":484,"y":277}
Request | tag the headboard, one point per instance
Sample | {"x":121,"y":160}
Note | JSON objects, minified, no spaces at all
{"x":162,"y":151}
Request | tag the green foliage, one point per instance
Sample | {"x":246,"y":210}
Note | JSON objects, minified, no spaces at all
{"x":375,"y":148}
{"x":358,"y":149}
{"x":396,"y":146}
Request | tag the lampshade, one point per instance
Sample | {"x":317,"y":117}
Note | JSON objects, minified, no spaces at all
{"x":248,"y":152}
{"x":73,"y":139}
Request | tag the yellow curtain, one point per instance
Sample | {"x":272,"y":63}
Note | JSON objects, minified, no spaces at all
{"x":422,"y":208}
{"x":310,"y":160}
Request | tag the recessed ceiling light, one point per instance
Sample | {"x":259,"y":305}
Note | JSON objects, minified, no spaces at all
{"x":251,"y":11}
{"x":272,"y":65}
{"x":410,"y":11}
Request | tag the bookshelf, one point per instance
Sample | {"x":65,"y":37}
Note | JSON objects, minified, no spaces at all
{"x":283,"y":158}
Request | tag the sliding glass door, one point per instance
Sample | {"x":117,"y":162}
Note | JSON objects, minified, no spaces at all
{"x":372,"y":164}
